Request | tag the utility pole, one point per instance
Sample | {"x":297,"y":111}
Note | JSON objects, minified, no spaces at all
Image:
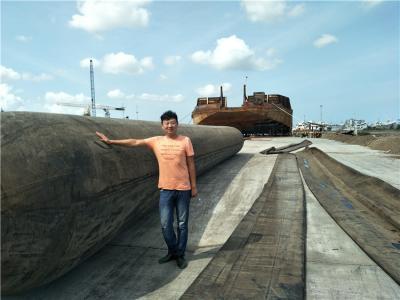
{"x":320,"y":113}
{"x":137,"y":113}
{"x":92,"y":89}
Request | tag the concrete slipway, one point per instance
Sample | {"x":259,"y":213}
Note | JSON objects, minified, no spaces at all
{"x":336,"y":268}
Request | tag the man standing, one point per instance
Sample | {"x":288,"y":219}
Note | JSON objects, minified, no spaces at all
{"x":177,"y":182}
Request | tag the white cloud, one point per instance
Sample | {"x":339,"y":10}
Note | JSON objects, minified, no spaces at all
{"x":97,"y":15}
{"x":213,"y":90}
{"x":325,"y":40}
{"x":163,"y":77}
{"x":371,"y":3}
{"x":271,"y":52}
{"x":23,"y":38}
{"x":156,"y":97}
{"x":201,"y":57}
{"x":85,"y":63}
{"x":116,"y":63}
{"x":80,"y":101}
{"x":172,"y":60}
{"x":116,"y":94}
{"x":230,"y":53}
{"x":10,"y":74}
{"x":8,"y":100}
{"x":296,"y":10}
{"x":147,"y":63}
{"x":53,"y":97}
{"x":148,"y":97}
{"x":269,"y":11}
{"x":233,"y":53}
{"x":36,"y":78}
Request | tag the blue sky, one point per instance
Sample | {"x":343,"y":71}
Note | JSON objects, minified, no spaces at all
{"x":157,"y":55}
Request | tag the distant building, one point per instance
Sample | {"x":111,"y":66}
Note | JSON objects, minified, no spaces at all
{"x":334,"y":127}
{"x":385,"y":125}
{"x":353,"y":124}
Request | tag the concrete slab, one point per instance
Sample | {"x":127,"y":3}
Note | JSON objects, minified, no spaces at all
{"x":127,"y":268}
{"x":371,"y":162}
{"x":336,"y":267}
{"x":264,"y":256}
{"x":365,"y":160}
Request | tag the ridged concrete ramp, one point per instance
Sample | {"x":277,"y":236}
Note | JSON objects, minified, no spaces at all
{"x":367,"y":208}
{"x":127,"y":267}
{"x":336,"y":268}
{"x":264,"y":258}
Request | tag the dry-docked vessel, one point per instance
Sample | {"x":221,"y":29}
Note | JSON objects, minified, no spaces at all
{"x":260,"y":114}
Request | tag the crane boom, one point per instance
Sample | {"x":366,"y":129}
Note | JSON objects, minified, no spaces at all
{"x":106,"y":108}
{"x":109,"y":107}
{"x":83,"y":105}
{"x":73,"y":104}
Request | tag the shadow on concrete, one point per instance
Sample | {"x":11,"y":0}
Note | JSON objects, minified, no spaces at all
{"x":127,"y":267}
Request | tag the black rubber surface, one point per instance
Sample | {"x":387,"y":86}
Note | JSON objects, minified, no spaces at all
{"x":365,"y":207}
{"x":264,"y":258}
{"x":64,"y":195}
{"x":287,"y":149}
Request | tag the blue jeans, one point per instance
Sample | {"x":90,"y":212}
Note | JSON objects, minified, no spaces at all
{"x":171,"y":200}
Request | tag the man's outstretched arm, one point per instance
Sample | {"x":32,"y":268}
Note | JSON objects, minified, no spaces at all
{"x":126,"y":143}
{"x":192,"y":174}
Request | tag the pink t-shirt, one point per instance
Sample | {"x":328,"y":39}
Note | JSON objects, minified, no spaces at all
{"x":171,"y":156}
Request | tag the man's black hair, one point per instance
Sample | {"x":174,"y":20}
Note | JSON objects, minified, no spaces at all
{"x":168,"y":115}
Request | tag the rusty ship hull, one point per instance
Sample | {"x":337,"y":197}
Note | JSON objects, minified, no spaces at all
{"x":260,"y":114}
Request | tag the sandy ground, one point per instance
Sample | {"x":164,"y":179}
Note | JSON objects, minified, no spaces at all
{"x":388,"y":142}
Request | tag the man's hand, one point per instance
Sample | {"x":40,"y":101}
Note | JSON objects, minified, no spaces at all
{"x":194,"y":192}
{"x":103,"y":138}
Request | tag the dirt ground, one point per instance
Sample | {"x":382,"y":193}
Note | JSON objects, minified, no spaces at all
{"x":387,"y":142}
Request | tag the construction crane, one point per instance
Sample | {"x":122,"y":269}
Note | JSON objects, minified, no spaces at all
{"x":87,"y":107}
{"x":90,"y":110}
{"x":92,"y":89}
{"x":107,"y":109}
